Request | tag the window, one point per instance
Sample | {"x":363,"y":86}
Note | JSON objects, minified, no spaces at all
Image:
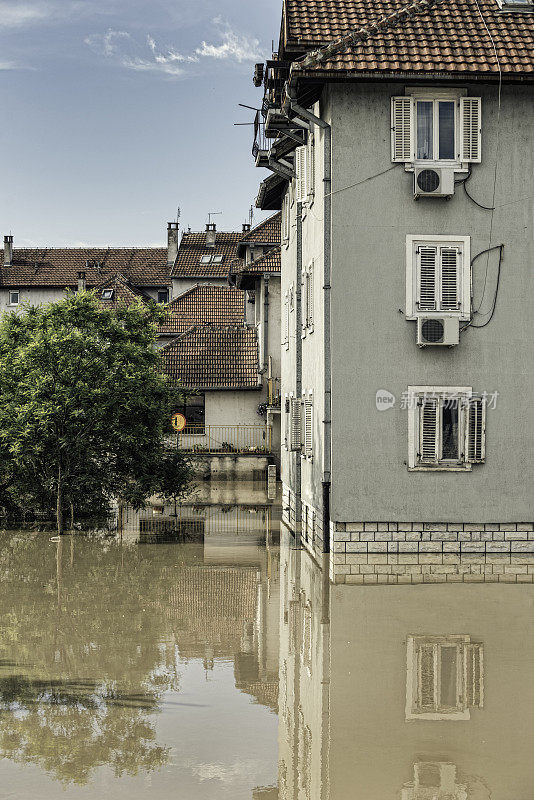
{"x":163,"y":296}
{"x":285,"y":336}
{"x":308,"y":299}
{"x":310,"y":165}
{"x":217,"y":259}
{"x":205,"y":259}
{"x":446,"y":428}
{"x":307,"y":434}
{"x":107,"y":294}
{"x":14,"y":297}
{"x":445,"y":677}
{"x":516,"y":5}
{"x":286,"y":219}
{"x":436,"y":126}
{"x":193,"y":409}
{"x":301,"y":170}
{"x":438,"y":276}
{"x":295,"y":409}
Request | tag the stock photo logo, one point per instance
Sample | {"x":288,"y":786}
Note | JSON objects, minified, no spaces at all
{"x":384,"y":400}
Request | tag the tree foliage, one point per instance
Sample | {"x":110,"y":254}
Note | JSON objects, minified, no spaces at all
{"x":84,"y":409}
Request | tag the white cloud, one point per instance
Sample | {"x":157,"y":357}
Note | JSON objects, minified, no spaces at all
{"x":107,"y":44}
{"x":234,"y":46}
{"x":14,"y":14}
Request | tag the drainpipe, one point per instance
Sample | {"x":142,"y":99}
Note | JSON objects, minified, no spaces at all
{"x":298,"y":363}
{"x":304,"y":114}
{"x":265,"y":322}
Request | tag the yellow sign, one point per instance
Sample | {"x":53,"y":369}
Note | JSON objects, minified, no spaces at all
{"x":178,"y":422}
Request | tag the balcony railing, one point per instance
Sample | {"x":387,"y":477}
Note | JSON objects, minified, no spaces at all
{"x":273,"y":386}
{"x":225,"y":439}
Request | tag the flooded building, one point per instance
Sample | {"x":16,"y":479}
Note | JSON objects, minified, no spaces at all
{"x":403,"y":691}
{"x":401,"y":151}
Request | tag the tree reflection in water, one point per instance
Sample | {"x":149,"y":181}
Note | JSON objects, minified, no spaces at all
{"x":85,"y":654}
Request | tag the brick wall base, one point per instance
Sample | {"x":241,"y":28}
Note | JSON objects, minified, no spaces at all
{"x":419,"y":552}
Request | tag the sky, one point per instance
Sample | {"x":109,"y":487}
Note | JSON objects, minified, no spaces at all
{"x":115,"y":113}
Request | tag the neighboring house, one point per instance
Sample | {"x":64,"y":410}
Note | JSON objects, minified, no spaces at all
{"x":203,"y":258}
{"x":43,"y":275}
{"x":401,"y":142}
{"x":218,"y":368}
{"x":202,"y":304}
{"x":119,"y":291}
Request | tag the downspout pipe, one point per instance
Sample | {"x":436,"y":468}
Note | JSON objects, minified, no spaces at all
{"x":265,"y":323}
{"x":313,"y":119}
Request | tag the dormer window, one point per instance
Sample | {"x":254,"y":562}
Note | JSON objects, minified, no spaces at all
{"x":107,"y":295}
{"x":516,"y":5}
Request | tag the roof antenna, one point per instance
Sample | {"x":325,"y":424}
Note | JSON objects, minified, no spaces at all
{"x":251,"y":215}
{"x":178,"y":214}
{"x":213,"y":214}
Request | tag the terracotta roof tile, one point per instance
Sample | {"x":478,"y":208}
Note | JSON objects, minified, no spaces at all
{"x":269,"y":262}
{"x":213,"y":358}
{"x":59,"y":267}
{"x":449,"y":36}
{"x":204,"y":305}
{"x":193,"y":248}
{"x":123,"y":293}
{"x":267,"y":232}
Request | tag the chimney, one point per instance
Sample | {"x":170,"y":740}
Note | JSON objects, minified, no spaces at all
{"x":246,"y":227}
{"x":82,"y":285}
{"x":8,"y":251}
{"x":211,"y":234}
{"x":172,"y":242}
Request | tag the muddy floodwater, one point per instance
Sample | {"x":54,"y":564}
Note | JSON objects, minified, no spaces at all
{"x":208,"y":656}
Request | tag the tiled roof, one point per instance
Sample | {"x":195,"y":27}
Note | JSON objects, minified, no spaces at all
{"x":269,"y":262}
{"x":193,"y":247}
{"x":213,"y":358}
{"x":267,"y":232}
{"x":426,"y":36}
{"x":204,"y":305}
{"x":123,"y":292}
{"x":60,"y":266}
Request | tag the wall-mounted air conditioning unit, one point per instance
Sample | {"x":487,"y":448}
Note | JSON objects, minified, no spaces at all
{"x":433,"y":182}
{"x":444,"y":331}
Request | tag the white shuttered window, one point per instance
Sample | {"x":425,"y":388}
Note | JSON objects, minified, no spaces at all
{"x":301,"y":158}
{"x":470,"y":129}
{"x":307,"y":439}
{"x":438,"y":276}
{"x":402,"y":129}
{"x":295,"y":409}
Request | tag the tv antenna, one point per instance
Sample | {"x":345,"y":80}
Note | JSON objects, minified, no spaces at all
{"x":251,"y":215}
{"x":213,"y":214}
{"x":178,"y":214}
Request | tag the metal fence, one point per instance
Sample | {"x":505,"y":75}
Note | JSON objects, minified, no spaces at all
{"x":225,"y":439}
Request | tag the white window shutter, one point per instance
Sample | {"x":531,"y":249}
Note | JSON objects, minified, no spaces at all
{"x":300,"y":161}
{"x":310,"y":163}
{"x":304,"y":300}
{"x":474,"y":675}
{"x":470,"y":129}
{"x":309,"y":290}
{"x":450,"y":278}
{"x":308,"y":427}
{"x":429,"y":430}
{"x":426,"y":277}
{"x":402,"y":138}
{"x":426,"y":685}
{"x":295,"y":423}
{"x":285,"y":329}
{"x":475,"y":430}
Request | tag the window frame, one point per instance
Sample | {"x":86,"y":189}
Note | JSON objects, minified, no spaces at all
{"x":181,"y":408}
{"x":163,"y":291}
{"x":11,"y":293}
{"x":464,"y":281}
{"x":415,"y":463}
{"x":415,"y":94}
{"x":307,"y":425}
{"x":107,"y":295}
{"x":465,"y":648}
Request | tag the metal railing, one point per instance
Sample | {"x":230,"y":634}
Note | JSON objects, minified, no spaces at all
{"x":260,"y":142}
{"x":225,"y":439}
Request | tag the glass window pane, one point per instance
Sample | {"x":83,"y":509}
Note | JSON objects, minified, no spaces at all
{"x":446,"y":129}
{"x":449,"y":429}
{"x":425,"y":129}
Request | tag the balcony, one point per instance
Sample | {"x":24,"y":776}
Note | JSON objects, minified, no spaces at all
{"x":273,"y":389}
{"x":225,"y":439}
{"x":260,"y":148}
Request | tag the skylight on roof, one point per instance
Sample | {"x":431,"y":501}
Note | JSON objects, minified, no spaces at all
{"x":217,"y":259}
{"x":205,"y":259}
{"x":516,"y":5}
{"x":107,"y":294}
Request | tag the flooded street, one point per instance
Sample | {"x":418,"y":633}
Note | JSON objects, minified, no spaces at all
{"x":206,"y":656}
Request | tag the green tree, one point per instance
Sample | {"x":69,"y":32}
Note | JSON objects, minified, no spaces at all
{"x":173,"y":476}
{"x":84,"y":409}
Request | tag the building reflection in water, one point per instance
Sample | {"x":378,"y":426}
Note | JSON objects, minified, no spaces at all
{"x":399,"y":691}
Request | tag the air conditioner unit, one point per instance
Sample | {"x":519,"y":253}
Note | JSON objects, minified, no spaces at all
{"x":444,"y":331}
{"x":433,"y":182}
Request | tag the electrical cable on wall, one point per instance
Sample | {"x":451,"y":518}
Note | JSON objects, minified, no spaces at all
{"x":488,"y":250}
